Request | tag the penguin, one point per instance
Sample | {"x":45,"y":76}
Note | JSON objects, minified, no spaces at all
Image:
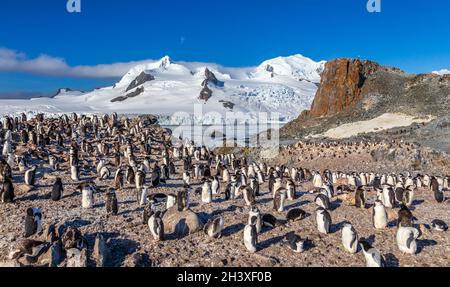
{"x":149,"y":210}
{"x":290,"y":187}
{"x":112,"y":207}
{"x":439,"y":225}
{"x":33,"y":222}
{"x":105,"y":173}
{"x":213,"y":228}
{"x":87,"y":195}
{"x":206,"y":192}
{"x":140,"y":179}
{"x":155,"y":177}
{"x":183,"y":199}
{"x":399,"y":192}
{"x":57,"y":190}
{"x":251,"y":236}
{"x":279,"y":200}
{"x":7,"y":191}
{"x":186,"y":178}
{"x":406,"y":239}
{"x":129,"y":175}
{"x":322,"y":201}
{"x":254,"y":185}
{"x":408,"y":196}
{"x":349,"y":238}
{"x":373,"y":256}
{"x":439,"y":194}
{"x":171,"y":201}
{"x":249,"y":196}
{"x":295,"y":242}
{"x":231,"y":189}
{"x":405,"y":217}
{"x":323,"y":220}
{"x":225,"y":176}
{"x":295,"y":214}
{"x":360,"y":198}
{"x":142,"y":196}
{"x":118,"y":179}
{"x":379,"y":215}
{"x":30,"y":176}
{"x":388,"y":197}
{"x":156,"y":226}
{"x":74,"y":173}
{"x":215,"y":186}
{"x":254,"y":212}
{"x":271,"y":221}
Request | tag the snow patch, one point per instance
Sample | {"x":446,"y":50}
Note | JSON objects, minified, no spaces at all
{"x":383,"y":122}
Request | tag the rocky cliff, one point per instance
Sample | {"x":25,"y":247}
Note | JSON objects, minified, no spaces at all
{"x":353,"y":90}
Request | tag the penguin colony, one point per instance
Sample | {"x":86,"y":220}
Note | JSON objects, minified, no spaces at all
{"x":101,"y":156}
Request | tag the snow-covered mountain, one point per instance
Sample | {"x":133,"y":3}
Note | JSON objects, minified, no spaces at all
{"x":286,"y":85}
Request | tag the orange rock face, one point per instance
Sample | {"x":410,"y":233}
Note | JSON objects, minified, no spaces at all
{"x":341,"y":85}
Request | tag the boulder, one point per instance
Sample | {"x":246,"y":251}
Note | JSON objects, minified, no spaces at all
{"x":181,"y":223}
{"x":53,"y":256}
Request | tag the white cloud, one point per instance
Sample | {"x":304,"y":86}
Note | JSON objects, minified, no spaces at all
{"x":441,"y":72}
{"x":13,"y":61}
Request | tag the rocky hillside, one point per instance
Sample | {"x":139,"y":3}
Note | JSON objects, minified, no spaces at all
{"x":357,"y":90}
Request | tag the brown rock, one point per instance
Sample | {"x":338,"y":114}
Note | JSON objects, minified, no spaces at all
{"x":181,"y":223}
{"x":340,"y":85}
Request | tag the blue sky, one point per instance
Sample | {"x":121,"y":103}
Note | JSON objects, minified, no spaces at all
{"x":411,"y":34}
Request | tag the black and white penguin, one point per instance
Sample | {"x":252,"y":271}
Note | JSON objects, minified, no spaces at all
{"x":33,"y":222}
{"x":406,"y":239}
{"x":129,"y":175}
{"x":408,"y":196}
{"x":57,"y":190}
{"x":295,"y":242}
{"x":140,"y":179}
{"x":290,"y":189}
{"x":379,"y":215}
{"x":75,"y":173}
{"x":388,"y":197}
{"x":349,"y":238}
{"x":405,"y":217}
{"x":279,"y":200}
{"x":322,"y":201}
{"x":323,"y":220}
{"x":254,"y":212}
{"x":373,"y":256}
{"x":30,"y":176}
{"x":360,"y":197}
{"x":270,"y":221}
{"x":112,"y":207}
{"x":156,"y":226}
{"x":104,"y":173}
{"x":231,"y":189}
{"x":155,"y":177}
{"x":206,"y":192}
{"x":254,"y":185}
{"x":87,"y":195}
{"x":7,"y":191}
{"x":438,"y":194}
{"x":250,"y":235}
{"x":215,"y":186}
{"x":213,"y":228}
{"x":295,"y":214}
{"x":439,"y":225}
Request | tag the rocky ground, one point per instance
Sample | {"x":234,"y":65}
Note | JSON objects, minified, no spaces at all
{"x":131,"y":243}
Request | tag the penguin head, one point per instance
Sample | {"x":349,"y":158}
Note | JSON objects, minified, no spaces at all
{"x":30,"y":212}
